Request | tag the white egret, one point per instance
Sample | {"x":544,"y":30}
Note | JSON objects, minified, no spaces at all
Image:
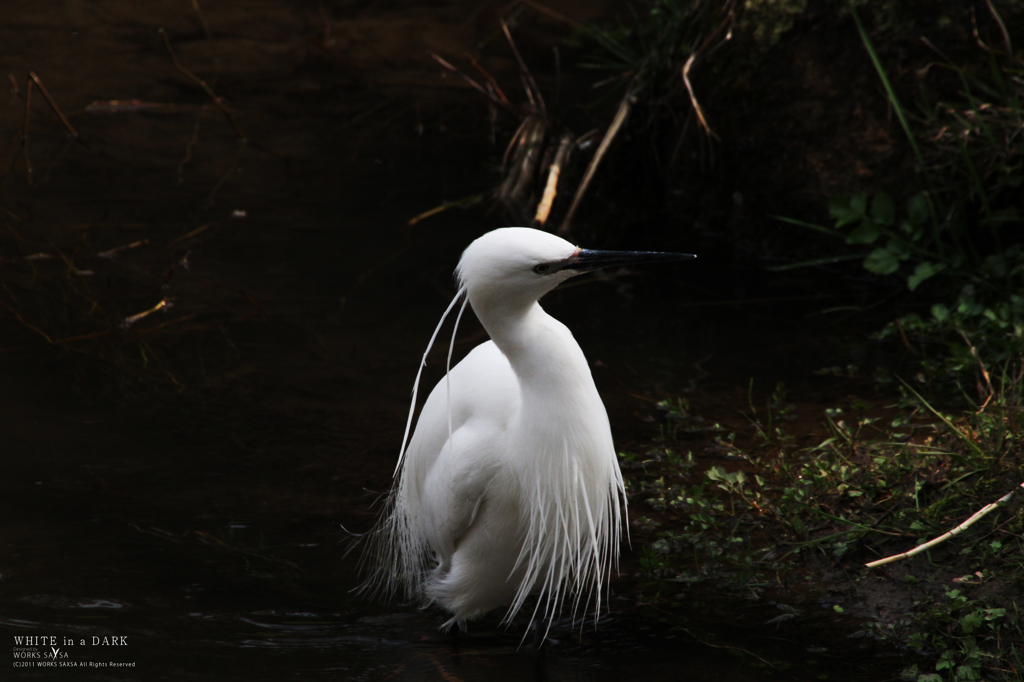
{"x":510,"y":484}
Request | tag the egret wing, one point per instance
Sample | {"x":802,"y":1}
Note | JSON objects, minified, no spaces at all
{"x":446,"y":474}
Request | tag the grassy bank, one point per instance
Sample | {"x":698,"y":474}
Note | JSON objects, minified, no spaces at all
{"x":737,"y":503}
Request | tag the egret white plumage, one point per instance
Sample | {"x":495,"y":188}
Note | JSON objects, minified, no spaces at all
{"x":510,"y":484}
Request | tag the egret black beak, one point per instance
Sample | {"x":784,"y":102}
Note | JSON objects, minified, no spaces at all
{"x":587,"y":260}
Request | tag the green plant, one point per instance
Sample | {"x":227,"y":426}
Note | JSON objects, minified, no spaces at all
{"x":961,"y":632}
{"x":769,"y":429}
{"x":956,"y":243}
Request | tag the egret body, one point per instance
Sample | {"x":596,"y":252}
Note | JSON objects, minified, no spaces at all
{"x":510,"y":484}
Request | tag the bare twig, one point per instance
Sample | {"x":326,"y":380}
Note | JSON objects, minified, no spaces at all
{"x":202,"y":20}
{"x":981,"y":366}
{"x":53,"y":104}
{"x":1002,"y":29}
{"x":111,"y":254}
{"x":465,"y":202}
{"x":489,"y":77}
{"x":977,"y":36}
{"x":693,"y":98}
{"x":35,"y":82}
{"x":476,"y":86}
{"x":31,"y":326}
{"x":553,"y":14}
{"x":697,"y":54}
{"x":132,"y":319}
{"x":942,"y":538}
{"x":218,"y":101}
{"x":620,"y":118}
{"x":530,"y":85}
{"x":193,"y":233}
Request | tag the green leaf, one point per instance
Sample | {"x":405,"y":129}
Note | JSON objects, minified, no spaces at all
{"x":922,"y":272}
{"x":716,"y":473}
{"x":917,"y":208}
{"x":883,"y":210}
{"x":898,"y":248}
{"x":940,"y":312}
{"x":969,"y":307}
{"x":859,"y":203}
{"x":881,"y":262}
{"x":913,"y":231}
{"x":839,"y":208}
{"x":865,"y":233}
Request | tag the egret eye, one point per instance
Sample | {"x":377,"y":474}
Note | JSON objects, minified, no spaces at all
{"x":541,"y":268}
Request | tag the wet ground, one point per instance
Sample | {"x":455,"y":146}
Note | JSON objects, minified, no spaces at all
{"x":180,"y":485}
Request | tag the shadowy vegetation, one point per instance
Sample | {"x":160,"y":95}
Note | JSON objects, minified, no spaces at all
{"x":956,"y":244}
{"x":945,"y":242}
{"x":788,"y":523}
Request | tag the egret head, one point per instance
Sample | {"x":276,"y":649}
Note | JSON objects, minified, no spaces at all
{"x":518,"y":265}
{"x":514,"y":264}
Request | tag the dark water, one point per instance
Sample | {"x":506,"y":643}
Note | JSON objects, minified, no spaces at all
{"x":182,"y":490}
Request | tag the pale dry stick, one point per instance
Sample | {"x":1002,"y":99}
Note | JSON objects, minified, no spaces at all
{"x":693,"y":98}
{"x":620,"y":118}
{"x":942,"y":538}
{"x":111,"y":254}
{"x":132,"y":319}
{"x":551,"y":189}
{"x":689,"y":65}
